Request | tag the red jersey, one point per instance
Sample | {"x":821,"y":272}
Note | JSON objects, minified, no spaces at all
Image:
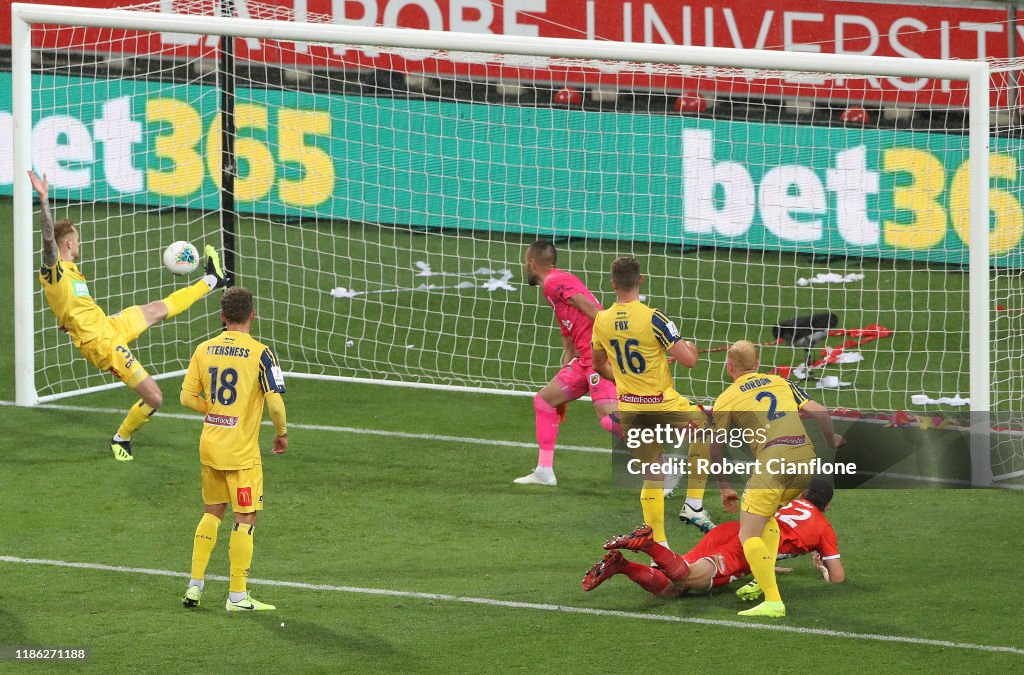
{"x":559,"y":286}
{"x":803,"y":528}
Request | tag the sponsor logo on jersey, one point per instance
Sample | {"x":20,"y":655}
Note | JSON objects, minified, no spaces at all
{"x":221,"y":420}
{"x":80,"y":289}
{"x":644,"y":400}
{"x":787,"y":440}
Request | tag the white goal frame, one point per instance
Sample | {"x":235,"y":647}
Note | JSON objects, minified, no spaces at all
{"x":975,"y":73}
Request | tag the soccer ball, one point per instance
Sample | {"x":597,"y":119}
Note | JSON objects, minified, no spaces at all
{"x":181,"y":258}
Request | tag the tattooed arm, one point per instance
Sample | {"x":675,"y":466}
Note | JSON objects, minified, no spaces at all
{"x":42,"y":188}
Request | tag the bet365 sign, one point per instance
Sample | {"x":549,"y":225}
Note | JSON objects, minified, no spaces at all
{"x":661,"y":178}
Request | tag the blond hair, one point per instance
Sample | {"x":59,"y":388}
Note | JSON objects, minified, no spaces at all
{"x":62,"y":229}
{"x":743,"y":355}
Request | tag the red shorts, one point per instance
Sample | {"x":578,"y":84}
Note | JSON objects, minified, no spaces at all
{"x":723,"y":548}
{"x":576,"y":380}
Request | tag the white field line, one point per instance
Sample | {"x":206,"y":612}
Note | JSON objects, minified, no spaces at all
{"x":468,"y":440}
{"x":342,"y":430}
{"x":566,"y":609}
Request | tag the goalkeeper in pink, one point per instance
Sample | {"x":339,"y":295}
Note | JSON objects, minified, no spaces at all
{"x":575,"y":309}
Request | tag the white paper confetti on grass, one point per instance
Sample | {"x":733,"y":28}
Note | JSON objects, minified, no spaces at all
{"x":501,"y":282}
{"x":342,"y":292}
{"x":925,"y":399}
{"x":831,"y":382}
{"x":425,"y":270}
{"x":849,"y":357}
{"x":830,"y":278}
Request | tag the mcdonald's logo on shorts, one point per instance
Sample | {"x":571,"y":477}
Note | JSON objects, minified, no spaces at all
{"x":244,"y":496}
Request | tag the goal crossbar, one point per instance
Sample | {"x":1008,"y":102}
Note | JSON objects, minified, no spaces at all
{"x":411,"y":38}
{"x":976,"y":74}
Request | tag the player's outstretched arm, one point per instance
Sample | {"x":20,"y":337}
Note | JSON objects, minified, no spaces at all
{"x":684,"y":352}
{"x":824,"y":422}
{"x":42,"y":188}
{"x":278,"y":415}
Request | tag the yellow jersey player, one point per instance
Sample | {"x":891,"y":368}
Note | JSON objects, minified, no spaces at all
{"x":630,"y":343}
{"x":228,"y":379}
{"x":768,"y":407}
{"x":103,"y":340}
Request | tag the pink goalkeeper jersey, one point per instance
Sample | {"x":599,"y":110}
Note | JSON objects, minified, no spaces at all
{"x":559,"y":286}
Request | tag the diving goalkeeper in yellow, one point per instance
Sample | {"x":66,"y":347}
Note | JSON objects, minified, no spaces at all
{"x":769,"y":407}
{"x":237,"y":374}
{"x":103,"y":340}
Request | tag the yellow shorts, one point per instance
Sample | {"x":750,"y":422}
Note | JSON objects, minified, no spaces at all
{"x":110,"y":350}
{"x":243,"y":488}
{"x":770,"y":489}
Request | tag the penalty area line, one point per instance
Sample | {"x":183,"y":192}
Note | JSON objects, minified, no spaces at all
{"x":513,"y":604}
{"x":333,"y":429}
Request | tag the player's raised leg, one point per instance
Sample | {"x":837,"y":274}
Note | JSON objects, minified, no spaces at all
{"x":183,"y":298}
{"x":131,"y":323}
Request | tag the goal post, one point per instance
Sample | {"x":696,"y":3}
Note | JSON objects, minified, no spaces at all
{"x":385,"y":362}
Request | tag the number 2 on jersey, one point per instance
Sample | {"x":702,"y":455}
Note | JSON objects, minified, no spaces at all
{"x":635,"y":359}
{"x":773,"y":403}
{"x":223,"y":392}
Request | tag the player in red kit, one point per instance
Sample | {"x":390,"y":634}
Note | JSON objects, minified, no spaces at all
{"x":575,"y":308}
{"x":718,"y":558}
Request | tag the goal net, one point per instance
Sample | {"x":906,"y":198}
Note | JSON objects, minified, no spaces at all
{"x":387,"y":185}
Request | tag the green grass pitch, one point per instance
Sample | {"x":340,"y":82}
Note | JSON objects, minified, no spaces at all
{"x":437,"y":515}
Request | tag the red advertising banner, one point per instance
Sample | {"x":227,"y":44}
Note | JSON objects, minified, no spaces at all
{"x":816,"y":26}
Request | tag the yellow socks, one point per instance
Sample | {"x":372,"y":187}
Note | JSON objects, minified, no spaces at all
{"x":137,"y":416}
{"x":652,"y":501}
{"x":202,"y":547}
{"x":762,"y":565}
{"x":180,"y":300}
{"x":240,"y":556}
{"x":771,"y":536}
{"x":696,"y":482}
